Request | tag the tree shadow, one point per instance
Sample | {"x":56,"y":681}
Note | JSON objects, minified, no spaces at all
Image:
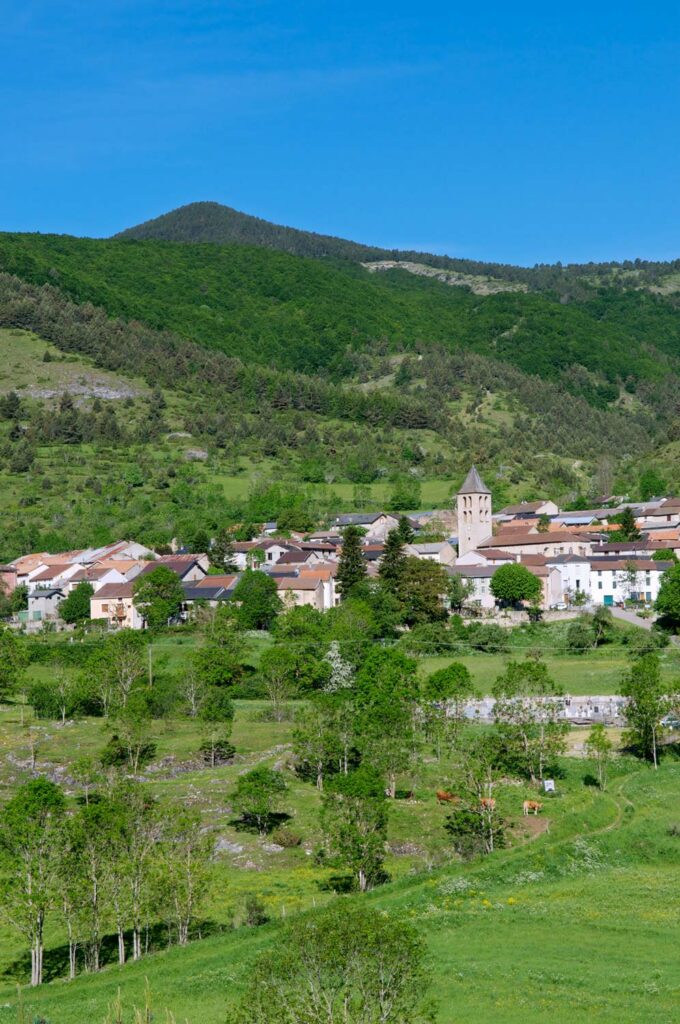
{"x":249,"y":823}
{"x":56,"y":959}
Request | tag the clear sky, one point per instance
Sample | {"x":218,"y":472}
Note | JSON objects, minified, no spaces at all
{"x":521,"y":132}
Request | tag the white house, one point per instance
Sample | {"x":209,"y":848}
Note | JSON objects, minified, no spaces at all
{"x":614,"y":581}
{"x":531,"y":508}
{"x":54,"y":575}
{"x":43,"y":605}
{"x":559,"y":542}
{"x":480,"y":577}
{"x":376,"y":524}
{"x":574,"y":572}
{"x":301,"y":590}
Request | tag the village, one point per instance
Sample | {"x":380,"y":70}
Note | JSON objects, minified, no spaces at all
{"x":570,"y":553}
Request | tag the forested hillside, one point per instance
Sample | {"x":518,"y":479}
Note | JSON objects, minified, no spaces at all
{"x":216,"y":223}
{"x":307,"y":387}
{"x":307,"y":315}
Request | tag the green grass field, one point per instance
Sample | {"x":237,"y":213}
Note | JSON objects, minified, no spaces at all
{"x":581,"y":924}
{"x":598,"y":672}
{"x":577,"y":920}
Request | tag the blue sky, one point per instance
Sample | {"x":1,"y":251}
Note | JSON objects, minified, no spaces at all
{"x":515,"y":132}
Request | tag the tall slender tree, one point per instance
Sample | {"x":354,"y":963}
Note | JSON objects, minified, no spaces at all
{"x":351,"y":565}
{"x":29,"y":830}
{"x":392,"y":561}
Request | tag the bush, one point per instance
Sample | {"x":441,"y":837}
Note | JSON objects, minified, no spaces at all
{"x":221,"y":751}
{"x":469,"y":832}
{"x":430,"y":638}
{"x":487,"y":637}
{"x":254,"y":912}
{"x":80,"y":700}
{"x":286,"y":837}
{"x":114,"y":754}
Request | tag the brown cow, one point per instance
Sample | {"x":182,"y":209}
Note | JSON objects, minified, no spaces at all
{"x":531,"y":807}
{"x":487,"y":803}
{"x":444,"y":797}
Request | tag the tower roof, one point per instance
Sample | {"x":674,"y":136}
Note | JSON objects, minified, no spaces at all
{"x":474,"y":484}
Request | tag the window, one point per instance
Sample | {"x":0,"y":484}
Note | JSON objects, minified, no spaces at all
{"x":105,"y":607}
{"x":599,"y":585}
{"x":270,"y":556}
{"x":578,"y":584}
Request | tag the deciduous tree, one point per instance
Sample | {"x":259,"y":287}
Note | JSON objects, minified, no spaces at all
{"x":648,"y":702}
{"x":599,"y":747}
{"x":354,"y":822}
{"x":512,"y":583}
{"x":257,"y":795}
{"x":257,"y":600}
{"x":158,"y":596}
{"x":76,"y":606}
{"x":29,"y":830}
{"x":528,"y":717}
{"x":343,"y":965}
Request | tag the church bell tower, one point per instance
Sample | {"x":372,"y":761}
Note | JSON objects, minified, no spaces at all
{"x":474,"y":513}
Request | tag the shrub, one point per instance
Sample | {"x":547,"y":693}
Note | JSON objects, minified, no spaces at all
{"x":115,"y":755}
{"x":286,"y":837}
{"x":254,"y":912}
{"x":217,"y":752}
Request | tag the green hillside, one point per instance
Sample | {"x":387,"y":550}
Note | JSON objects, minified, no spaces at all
{"x":308,"y":387}
{"x":577,"y":921}
{"x":307,"y":315}
{"x":219,"y":224}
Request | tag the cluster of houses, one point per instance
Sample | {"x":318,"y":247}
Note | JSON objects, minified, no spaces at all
{"x":569,"y":552}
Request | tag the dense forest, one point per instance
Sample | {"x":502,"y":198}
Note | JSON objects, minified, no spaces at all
{"x":317,"y":317}
{"x":219,"y":224}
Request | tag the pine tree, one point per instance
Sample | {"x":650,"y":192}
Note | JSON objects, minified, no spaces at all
{"x":627,"y":526}
{"x":222,"y":551}
{"x":351,"y":565}
{"x":406,"y":531}
{"x":393,"y":560}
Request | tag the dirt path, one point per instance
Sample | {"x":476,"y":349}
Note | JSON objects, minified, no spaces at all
{"x":621,"y":803}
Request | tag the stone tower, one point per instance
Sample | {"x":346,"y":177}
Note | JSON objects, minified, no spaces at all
{"x":474,"y":513}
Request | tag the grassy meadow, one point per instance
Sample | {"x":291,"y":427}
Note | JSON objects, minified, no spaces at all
{"x":577,"y":920}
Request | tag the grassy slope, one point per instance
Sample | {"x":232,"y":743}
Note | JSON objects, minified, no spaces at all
{"x":79,"y":516}
{"x":533,"y":930}
{"x":580,"y":925}
{"x":594,"y":673}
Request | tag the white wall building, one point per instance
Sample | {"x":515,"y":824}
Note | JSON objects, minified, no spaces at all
{"x":574,"y":571}
{"x":612,"y":581}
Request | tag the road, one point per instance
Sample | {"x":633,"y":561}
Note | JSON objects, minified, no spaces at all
{"x":632,"y":618}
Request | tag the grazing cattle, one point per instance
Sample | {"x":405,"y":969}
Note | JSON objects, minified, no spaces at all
{"x":444,"y":797}
{"x":531,"y":807}
{"x":487,"y":803}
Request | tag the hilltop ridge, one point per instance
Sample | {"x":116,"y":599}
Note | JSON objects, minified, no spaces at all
{"x":209,"y":221}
